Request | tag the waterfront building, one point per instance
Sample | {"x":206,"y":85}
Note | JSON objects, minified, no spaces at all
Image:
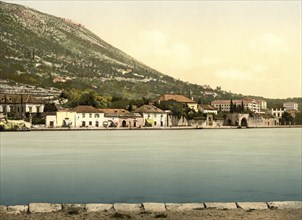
{"x":263,"y":120}
{"x":61,"y":118}
{"x":290,"y":106}
{"x":19,"y":105}
{"x":121,"y":118}
{"x":177,"y":98}
{"x":152,"y":116}
{"x":88,"y":116}
{"x":248,"y":103}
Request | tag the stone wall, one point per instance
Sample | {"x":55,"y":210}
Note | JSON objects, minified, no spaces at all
{"x":147,"y":207}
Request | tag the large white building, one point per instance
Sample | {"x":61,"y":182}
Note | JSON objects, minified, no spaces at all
{"x":290,"y":106}
{"x":88,"y":116}
{"x":82,"y":116}
{"x":225,"y":105}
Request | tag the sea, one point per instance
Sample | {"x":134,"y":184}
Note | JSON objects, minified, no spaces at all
{"x":135,"y":166}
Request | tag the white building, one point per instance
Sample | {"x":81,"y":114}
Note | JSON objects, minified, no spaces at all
{"x":88,"y":116}
{"x":290,"y":106}
{"x":277,"y":112}
{"x":207,"y":109}
{"x":153,"y":116}
{"x":225,"y":105}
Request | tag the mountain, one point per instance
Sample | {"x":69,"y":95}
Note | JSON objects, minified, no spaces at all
{"x":48,"y":51}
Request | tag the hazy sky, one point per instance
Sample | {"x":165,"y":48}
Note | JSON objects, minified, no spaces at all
{"x":248,"y":47}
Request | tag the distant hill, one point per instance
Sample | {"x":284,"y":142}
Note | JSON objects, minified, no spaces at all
{"x":47,"y":51}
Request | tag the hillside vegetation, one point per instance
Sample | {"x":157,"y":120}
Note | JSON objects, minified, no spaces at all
{"x":47,"y":51}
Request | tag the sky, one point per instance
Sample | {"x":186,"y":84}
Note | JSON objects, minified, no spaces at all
{"x":247,"y":47}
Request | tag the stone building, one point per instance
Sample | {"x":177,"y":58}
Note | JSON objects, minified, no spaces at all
{"x":121,"y":118}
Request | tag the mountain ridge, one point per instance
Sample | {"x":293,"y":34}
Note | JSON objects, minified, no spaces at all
{"x":48,"y":51}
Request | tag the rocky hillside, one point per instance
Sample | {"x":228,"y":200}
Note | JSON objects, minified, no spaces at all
{"x":48,"y":51}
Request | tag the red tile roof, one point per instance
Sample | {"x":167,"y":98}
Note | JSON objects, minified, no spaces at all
{"x":113,"y":111}
{"x":177,"y":98}
{"x":207,"y":107}
{"x":85,"y":109}
{"x":148,"y":109}
{"x":19,"y":98}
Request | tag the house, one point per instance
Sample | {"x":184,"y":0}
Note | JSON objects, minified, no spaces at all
{"x":248,"y":103}
{"x":207,"y":109}
{"x":61,"y":118}
{"x":152,"y":116}
{"x":18,"y":105}
{"x":290,"y":106}
{"x":122,"y":118}
{"x":88,"y":116}
{"x":178,"y":98}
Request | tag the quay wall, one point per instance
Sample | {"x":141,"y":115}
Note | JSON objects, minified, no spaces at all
{"x":148,"y":207}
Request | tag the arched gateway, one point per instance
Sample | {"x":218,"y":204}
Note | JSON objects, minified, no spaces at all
{"x":243,"y":122}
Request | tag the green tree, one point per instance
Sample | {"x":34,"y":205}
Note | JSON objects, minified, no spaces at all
{"x":298,"y":118}
{"x":287,"y":119}
{"x":231,"y":107}
{"x":130,"y":108}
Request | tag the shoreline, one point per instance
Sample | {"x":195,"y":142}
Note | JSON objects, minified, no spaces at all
{"x":159,"y":128}
{"x":211,"y":210}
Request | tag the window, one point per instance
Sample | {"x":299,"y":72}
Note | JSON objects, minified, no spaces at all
{"x":96,"y":115}
{"x":30,"y":109}
{"x":161,"y":123}
{"x":83,"y":124}
{"x":154,"y":123}
{"x":38,"y":109}
{"x":90,"y":115}
{"x":83,"y":115}
{"x":90,"y":123}
{"x":96,"y":124}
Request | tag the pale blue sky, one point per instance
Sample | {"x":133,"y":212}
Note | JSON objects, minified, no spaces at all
{"x":249,"y":47}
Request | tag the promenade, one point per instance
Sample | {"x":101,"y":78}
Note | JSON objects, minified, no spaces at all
{"x":231,"y":210}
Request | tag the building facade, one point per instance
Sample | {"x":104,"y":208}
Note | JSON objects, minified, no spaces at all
{"x":290,"y":106}
{"x":18,"y":105}
{"x":153,"y":116}
{"x":121,"y":118}
{"x":88,"y":116}
{"x":225,"y":105}
{"x":277,"y":112}
{"x":207,"y":109}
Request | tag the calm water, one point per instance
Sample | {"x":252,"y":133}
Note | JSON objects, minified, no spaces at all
{"x":162,"y":166}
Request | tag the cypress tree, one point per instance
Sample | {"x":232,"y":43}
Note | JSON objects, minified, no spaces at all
{"x":231,"y":106}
